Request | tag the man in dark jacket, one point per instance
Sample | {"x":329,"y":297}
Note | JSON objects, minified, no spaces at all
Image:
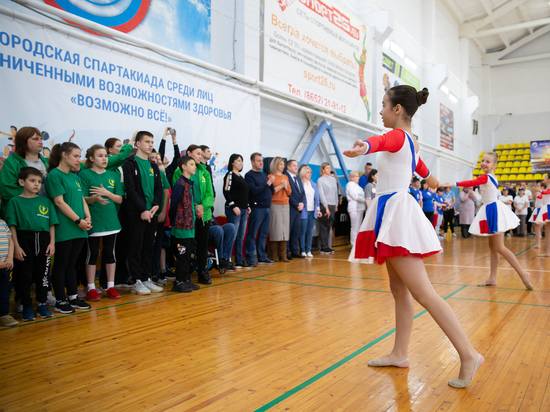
{"x":297,"y":201}
{"x":144,"y":193}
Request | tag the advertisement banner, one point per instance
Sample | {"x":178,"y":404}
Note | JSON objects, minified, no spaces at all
{"x":182,"y":25}
{"x":446,"y":128}
{"x":540,"y":156}
{"x":394,"y":74}
{"x":318,"y":51}
{"x":77,"y":91}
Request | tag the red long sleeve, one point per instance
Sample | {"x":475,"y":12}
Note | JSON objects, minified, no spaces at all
{"x":422,"y":169}
{"x":389,"y":142}
{"x":476,"y":182}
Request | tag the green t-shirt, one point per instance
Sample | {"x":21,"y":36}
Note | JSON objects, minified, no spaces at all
{"x":35,"y":214}
{"x":147,"y":180}
{"x":165,"y":185}
{"x":59,"y":183}
{"x":104,"y":217}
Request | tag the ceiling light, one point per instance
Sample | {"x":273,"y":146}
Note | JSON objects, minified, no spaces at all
{"x":411,"y":64}
{"x":453,"y":98}
{"x":444,"y":89}
{"x":397,"y":50}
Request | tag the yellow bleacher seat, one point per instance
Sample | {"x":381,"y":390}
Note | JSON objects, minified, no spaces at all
{"x":538,"y":176}
{"x":526,"y":157}
{"x":509,"y":164}
{"x":522,"y":144}
{"x":513,"y":152}
{"x":521,"y":177}
{"x":506,"y":170}
{"x":515,"y":170}
{"x":520,"y":151}
{"x":505,"y":152}
{"x":503,"y":177}
{"x":517,"y":163}
{"x":529,"y":176}
{"x":529,"y":170}
{"x":514,"y":145}
{"x":503,"y":157}
{"x":525,"y":163}
{"x":506,"y":146}
{"x":498,"y":170}
{"x":523,"y":170}
{"x":500,"y":146}
{"x":527,"y":150}
{"x":512,"y":177}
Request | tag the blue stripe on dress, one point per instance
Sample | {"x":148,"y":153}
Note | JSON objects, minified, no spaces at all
{"x":492,"y":179}
{"x":382,"y":200}
{"x":491,"y":213}
{"x":411,"y":145}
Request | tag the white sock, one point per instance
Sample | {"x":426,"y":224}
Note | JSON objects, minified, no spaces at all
{"x":91,"y":286}
{"x":73,"y":297}
{"x":110,"y":285}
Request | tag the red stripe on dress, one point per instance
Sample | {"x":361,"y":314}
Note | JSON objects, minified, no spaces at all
{"x":364,"y":249}
{"x":545,"y":216}
{"x":483,"y":227}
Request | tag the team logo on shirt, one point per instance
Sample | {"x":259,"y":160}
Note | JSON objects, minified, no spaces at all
{"x":78,"y":184}
{"x":151,"y":171}
{"x":43,"y":210}
{"x":111,"y":182}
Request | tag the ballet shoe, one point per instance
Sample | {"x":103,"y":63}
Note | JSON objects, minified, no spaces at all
{"x":380,"y":363}
{"x":529,"y":286}
{"x":462,"y":383}
{"x":486,"y":284}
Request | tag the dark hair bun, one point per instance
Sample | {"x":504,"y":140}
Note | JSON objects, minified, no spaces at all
{"x":422,"y":96}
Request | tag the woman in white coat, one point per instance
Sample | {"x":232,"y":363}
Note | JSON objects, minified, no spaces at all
{"x":356,"y":204}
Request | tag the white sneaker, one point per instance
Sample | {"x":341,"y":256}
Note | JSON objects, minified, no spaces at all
{"x":140,"y":289}
{"x":50,"y":300}
{"x":151,"y":286}
{"x":18,"y":306}
{"x":304,"y":254}
{"x":309,"y":254}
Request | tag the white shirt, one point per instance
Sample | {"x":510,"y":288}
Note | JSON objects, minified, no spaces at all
{"x":310,"y":196}
{"x":519,"y":202}
{"x":356,"y":197}
{"x":503,"y":199}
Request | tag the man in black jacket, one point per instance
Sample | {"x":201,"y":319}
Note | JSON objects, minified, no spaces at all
{"x":144,"y":193}
{"x":297,"y":202}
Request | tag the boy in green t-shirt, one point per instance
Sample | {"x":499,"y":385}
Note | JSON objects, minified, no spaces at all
{"x":32,"y":221}
{"x":182,"y":219}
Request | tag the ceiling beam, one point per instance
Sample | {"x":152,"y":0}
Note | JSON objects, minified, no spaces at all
{"x":525,"y":16}
{"x":498,"y":13}
{"x":492,"y":58}
{"x":521,"y":59}
{"x":466,"y":30}
{"x":456,"y":11}
{"x":489,"y":11}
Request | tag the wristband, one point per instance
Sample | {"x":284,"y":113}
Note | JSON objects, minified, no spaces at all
{"x":77,"y":221}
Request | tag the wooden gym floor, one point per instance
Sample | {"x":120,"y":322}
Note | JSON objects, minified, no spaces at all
{"x":291,"y":337}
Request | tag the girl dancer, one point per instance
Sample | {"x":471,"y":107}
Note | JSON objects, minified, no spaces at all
{"x":542,"y":216}
{"x":396,"y":232}
{"x":493,"y":219}
{"x":540,"y":186}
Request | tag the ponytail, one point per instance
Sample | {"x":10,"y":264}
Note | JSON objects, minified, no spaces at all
{"x":57,"y":152}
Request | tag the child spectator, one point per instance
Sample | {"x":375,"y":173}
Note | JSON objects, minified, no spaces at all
{"x":65,"y":190}
{"x":102,"y":192}
{"x":31,"y":219}
{"x":6,"y":264}
{"x":182,"y":216}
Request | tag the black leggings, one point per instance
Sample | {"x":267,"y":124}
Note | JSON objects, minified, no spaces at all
{"x":429,"y":216}
{"x":108,"y":255}
{"x":64,"y":273}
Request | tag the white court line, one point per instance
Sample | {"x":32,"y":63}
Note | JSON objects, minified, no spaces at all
{"x":454,"y":266}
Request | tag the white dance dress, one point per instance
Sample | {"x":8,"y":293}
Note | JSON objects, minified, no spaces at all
{"x":394,"y":224}
{"x":536,"y":209}
{"x":493,"y":216}
{"x":544,"y":211}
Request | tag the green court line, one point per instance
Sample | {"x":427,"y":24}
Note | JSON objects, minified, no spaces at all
{"x":507,"y":303}
{"x":331,"y":368}
{"x":320,"y":286}
{"x":61,"y":316}
{"x":524,"y":250}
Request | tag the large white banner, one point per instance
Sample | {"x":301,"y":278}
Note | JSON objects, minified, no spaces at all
{"x":77,"y":91}
{"x":318,"y":51}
